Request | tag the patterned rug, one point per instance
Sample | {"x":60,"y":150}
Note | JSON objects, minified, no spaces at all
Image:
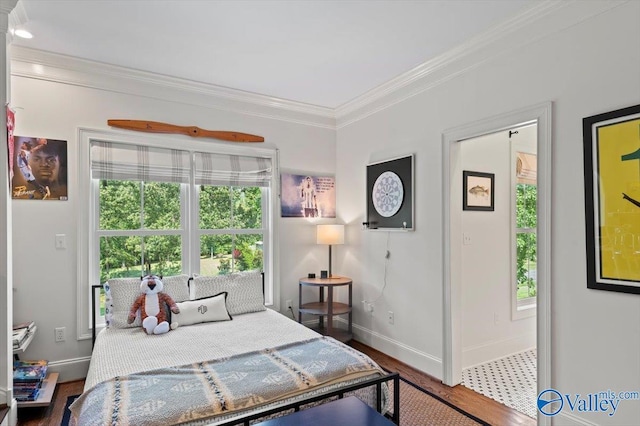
{"x":418,"y":407}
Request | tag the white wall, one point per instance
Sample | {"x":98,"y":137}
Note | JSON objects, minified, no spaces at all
{"x":488,"y":330}
{"x":585,"y":63}
{"x":45,"y":278}
{"x":591,"y":66}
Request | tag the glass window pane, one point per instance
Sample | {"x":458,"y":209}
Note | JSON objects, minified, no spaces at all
{"x":161,"y":205}
{"x":162,"y":254}
{"x":215,"y":254}
{"x":120,"y":257}
{"x":247,"y":254}
{"x":119,"y":204}
{"x":526,"y":265}
{"x":247,"y":208}
{"x":526,"y":200}
{"x":215,"y":207}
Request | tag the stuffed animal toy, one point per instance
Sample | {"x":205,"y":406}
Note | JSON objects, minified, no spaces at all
{"x":152,"y":303}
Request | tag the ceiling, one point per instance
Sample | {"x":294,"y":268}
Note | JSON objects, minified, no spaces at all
{"x":323,"y":53}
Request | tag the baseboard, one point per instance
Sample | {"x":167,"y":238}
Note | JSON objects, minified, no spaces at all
{"x":70,"y":369}
{"x":565,"y":419}
{"x":481,"y":354}
{"x":422,"y":361}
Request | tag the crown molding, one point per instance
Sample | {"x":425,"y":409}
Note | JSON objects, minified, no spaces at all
{"x":6,"y":6}
{"x":550,"y":15}
{"x":43,"y":65}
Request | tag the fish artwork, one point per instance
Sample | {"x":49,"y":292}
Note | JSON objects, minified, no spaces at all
{"x":479,"y":191}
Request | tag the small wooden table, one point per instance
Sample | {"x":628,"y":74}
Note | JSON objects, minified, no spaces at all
{"x":327,"y":308}
{"x":349,"y":411}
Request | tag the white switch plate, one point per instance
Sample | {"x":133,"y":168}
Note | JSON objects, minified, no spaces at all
{"x":61,"y":241}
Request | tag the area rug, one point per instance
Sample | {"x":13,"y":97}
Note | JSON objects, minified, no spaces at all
{"x":418,"y":407}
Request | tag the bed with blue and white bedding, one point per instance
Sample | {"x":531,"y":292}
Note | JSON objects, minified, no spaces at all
{"x":214,"y":372}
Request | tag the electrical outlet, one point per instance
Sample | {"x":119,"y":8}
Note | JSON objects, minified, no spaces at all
{"x":466,"y":239}
{"x":60,"y":334}
{"x":390,"y":317}
{"x":288,"y":303}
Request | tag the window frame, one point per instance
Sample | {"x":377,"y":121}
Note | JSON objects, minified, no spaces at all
{"x":524,"y":308}
{"x":88,"y":240}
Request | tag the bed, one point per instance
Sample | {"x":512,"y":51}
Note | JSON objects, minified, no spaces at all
{"x":253,"y":365}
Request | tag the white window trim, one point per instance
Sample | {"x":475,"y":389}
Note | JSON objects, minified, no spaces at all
{"x":88,"y":216}
{"x":525,"y":308}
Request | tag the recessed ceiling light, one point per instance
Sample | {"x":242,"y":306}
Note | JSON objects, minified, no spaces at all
{"x":23,"y":33}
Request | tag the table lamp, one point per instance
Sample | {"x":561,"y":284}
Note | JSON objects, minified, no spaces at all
{"x":330,"y":234}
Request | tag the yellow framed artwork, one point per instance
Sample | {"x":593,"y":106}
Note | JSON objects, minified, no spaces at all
{"x":612,"y":199}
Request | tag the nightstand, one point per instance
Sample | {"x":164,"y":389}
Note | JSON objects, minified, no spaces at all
{"x":327,"y":308}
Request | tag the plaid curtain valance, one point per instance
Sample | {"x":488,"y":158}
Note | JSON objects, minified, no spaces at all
{"x":118,"y":161}
{"x":232,"y":170}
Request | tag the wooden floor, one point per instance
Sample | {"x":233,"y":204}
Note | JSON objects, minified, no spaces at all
{"x":480,"y":406}
{"x":473,"y":403}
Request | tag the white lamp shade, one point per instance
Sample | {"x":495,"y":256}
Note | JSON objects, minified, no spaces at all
{"x":330,"y":234}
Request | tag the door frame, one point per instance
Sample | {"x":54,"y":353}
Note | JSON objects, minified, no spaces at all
{"x":452,"y":238}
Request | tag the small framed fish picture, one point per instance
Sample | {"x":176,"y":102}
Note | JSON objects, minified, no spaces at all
{"x":477,"y":191}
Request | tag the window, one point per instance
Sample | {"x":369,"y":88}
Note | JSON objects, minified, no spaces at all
{"x":525,"y":232}
{"x":177,"y":211}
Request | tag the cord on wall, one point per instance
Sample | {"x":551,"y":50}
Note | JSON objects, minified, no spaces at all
{"x":387,"y":255}
{"x":293,"y":315}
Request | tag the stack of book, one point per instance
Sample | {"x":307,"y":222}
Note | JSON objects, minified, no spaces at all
{"x":27,"y":379}
{"x":21,"y":332}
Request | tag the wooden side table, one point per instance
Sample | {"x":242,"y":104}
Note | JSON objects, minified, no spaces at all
{"x":328,"y":308}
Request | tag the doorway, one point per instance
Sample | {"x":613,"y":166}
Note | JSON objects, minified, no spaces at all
{"x":498,"y":266}
{"x":453,"y":237}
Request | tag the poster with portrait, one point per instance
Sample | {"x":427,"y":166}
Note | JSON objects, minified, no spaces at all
{"x":307,"y":196}
{"x":11,"y":116}
{"x":612,"y":199}
{"x":39,"y":168}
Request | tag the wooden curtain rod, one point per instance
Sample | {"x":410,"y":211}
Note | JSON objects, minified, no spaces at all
{"x":196,"y":132}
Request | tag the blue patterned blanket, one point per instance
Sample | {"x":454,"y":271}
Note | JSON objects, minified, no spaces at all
{"x":185,"y":393}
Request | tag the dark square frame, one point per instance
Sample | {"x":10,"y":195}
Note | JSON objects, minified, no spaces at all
{"x":403,"y":218}
{"x":468,"y":180}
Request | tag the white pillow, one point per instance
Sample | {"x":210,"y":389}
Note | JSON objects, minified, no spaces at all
{"x":244,"y":288}
{"x":124,"y":292}
{"x":202,"y":310}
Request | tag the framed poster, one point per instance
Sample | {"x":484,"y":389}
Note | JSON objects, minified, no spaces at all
{"x":307,"y":195}
{"x":40,"y":169}
{"x":612,"y":199}
{"x":478,"y":191}
{"x":390,"y":194}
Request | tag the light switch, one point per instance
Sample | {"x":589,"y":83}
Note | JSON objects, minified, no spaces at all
{"x":61,"y":241}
